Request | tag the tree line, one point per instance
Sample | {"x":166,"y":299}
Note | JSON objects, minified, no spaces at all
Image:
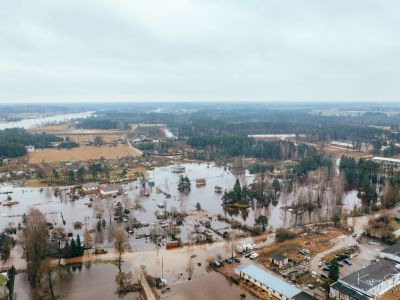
{"x":14,"y":140}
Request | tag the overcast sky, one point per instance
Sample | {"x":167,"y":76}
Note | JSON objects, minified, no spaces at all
{"x":205,"y":50}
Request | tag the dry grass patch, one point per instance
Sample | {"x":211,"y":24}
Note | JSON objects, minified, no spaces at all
{"x":83,"y":153}
{"x":290,"y":248}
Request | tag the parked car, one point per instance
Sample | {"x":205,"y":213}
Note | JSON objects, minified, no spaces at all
{"x":236,"y":260}
{"x":323,"y":275}
{"x":347,"y":261}
{"x":254,"y":255}
{"x":247,"y":254}
{"x":326,"y":268}
{"x":217,"y":264}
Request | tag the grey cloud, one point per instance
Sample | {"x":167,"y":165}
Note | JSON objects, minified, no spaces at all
{"x":182,"y":50}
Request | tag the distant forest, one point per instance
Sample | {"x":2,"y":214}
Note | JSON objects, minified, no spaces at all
{"x":240,"y":122}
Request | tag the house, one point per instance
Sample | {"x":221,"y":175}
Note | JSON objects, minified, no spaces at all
{"x":111,"y":190}
{"x":30,"y":148}
{"x":90,"y":187}
{"x":279,"y":260}
{"x":218,"y":189}
{"x":342,"y":145}
{"x":367,"y":283}
{"x":386,"y":161}
{"x":177,"y":169}
{"x":200,"y":182}
{"x":272,"y":284}
{"x":392,"y":253}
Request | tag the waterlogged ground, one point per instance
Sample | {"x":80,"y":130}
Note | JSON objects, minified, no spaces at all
{"x":97,"y":281}
{"x":91,"y":281}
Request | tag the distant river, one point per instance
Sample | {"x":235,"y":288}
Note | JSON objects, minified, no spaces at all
{"x":39,"y":122}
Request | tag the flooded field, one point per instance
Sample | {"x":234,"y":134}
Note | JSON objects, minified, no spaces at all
{"x":184,"y":268}
{"x":61,"y":207}
{"x":91,"y":281}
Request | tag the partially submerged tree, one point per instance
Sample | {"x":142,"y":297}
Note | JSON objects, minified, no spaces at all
{"x":35,"y":240}
{"x":263,"y":221}
{"x":121,"y":244}
{"x":184,"y":184}
{"x":59,"y":236}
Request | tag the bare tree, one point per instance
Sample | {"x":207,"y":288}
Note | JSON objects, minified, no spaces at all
{"x":58,"y":235}
{"x":231,"y":242}
{"x":121,"y":244}
{"x":87,"y":240}
{"x":35,"y":239}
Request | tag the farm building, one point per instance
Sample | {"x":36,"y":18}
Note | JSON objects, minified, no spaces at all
{"x":111,"y":190}
{"x":90,"y":187}
{"x":272,"y":284}
{"x":342,"y":145}
{"x":279,"y":260}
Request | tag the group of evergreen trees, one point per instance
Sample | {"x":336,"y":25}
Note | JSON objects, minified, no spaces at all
{"x":184,"y":184}
{"x":76,"y":247}
{"x":102,"y":123}
{"x":237,"y":195}
{"x":14,"y":140}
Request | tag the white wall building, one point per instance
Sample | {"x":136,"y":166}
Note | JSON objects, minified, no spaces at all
{"x":367,"y":283}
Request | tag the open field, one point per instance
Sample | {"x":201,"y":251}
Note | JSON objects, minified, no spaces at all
{"x":80,"y":136}
{"x":81,"y":153}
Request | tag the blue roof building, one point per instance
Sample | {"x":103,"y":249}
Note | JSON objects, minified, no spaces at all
{"x":272,"y":284}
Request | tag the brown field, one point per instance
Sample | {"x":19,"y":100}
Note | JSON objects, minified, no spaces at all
{"x":81,"y":136}
{"x":315,"y":244}
{"x":81,"y":153}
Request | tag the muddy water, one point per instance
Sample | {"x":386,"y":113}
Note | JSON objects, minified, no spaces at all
{"x":351,"y":201}
{"x":97,"y":281}
{"x":210,"y":287}
{"x":44,"y":200}
{"x":164,"y":179}
{"x":85,"y":281}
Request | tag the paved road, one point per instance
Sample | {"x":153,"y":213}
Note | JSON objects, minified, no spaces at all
{"x":341,"y":241}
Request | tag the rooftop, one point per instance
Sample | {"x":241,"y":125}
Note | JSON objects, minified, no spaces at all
{"x":372,"y":275}
{"x":394,"y":249}
{"x":278,"y":256}
{"x":348,"y":291}
{"x":378,"y":158}
{"x":111,"y":188}
{"x":303,"y":296}
{"x":269,"y":280}
{"x":90,"y":185}
{"x":344,"y":144}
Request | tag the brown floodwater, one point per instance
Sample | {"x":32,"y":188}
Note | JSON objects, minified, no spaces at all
{"x":90,"y":281}
{"x":97,"y":281}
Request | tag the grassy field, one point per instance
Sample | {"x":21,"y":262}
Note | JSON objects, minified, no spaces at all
{"x":80,"y":154}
